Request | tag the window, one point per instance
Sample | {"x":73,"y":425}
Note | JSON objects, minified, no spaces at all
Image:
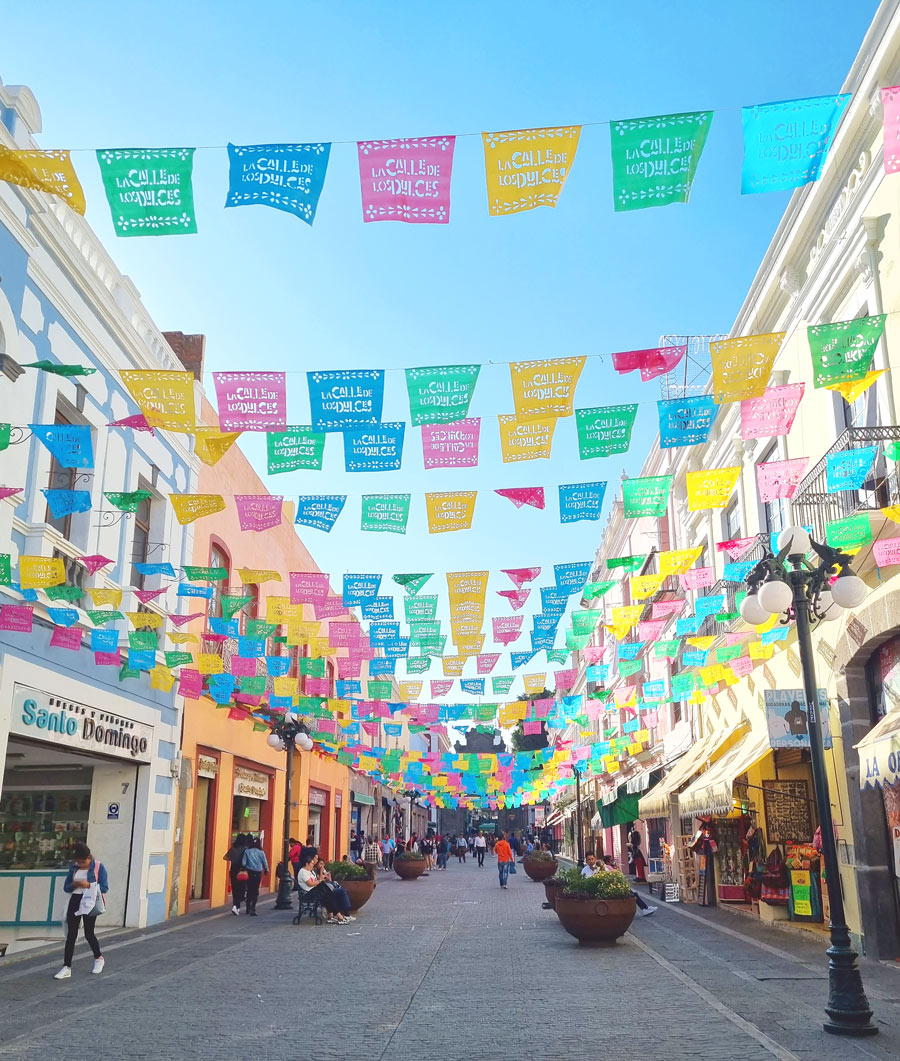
{"x":773,"y":516}
{"x":60,"y":479}
{"x":140,"y":541}
{"x":731,"y":520}
{"x":218,"y":557}
{"x":251,"y":609}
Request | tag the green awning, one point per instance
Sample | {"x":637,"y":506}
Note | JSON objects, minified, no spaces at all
{"x":622,"y":810}
{"x":361,"y":797}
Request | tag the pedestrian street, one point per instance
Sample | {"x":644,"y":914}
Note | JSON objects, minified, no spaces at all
{"x":446,"y":967}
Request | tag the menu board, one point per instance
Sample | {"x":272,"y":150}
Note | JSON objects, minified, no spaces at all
{"x":788,"y":811}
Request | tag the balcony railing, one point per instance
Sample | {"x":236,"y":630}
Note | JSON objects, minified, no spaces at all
{"x":814,"y":506}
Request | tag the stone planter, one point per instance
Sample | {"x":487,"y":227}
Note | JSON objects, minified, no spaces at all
{"x":595,"y":921}
{"x":552,"y":891}
{"x":409,"y":868}
{"x":360,"y":891}
{"x":540,"y":868}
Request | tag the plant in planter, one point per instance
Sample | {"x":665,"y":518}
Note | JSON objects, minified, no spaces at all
{"x":409,"y":864}
{"x":539,"y":865}
{"x":355,"y":880}
{"x":554,"y":885}
{"x":596,"y":909}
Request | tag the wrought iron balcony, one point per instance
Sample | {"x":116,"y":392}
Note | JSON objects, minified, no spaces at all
{"x":813,"y":506}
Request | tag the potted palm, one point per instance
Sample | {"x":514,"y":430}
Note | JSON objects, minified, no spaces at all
{"x":409,"y":864}
{"x":596,"y":909}
{"x":355,"y":881}
{"x":539,"y":865}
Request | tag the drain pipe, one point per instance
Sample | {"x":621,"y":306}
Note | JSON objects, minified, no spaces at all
{"x":874,"y":233}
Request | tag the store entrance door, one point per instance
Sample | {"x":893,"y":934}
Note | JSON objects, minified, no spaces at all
{"x":202,"y":827}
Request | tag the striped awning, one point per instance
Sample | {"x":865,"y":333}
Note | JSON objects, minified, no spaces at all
{"x":879,"y":752}
{"x":712,"y":792}
{"x":655,"y":804}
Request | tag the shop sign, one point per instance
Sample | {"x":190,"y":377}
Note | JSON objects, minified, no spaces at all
{"x":250,"y":783}
{"x":207,"y":766}
{"x":317,"y":798}
{"x":801,"y":892}
{"x":787,"y":718}
{"x":69,"y":724}
{"x":337,"y":798}
{"x":895,"y":843}
{"x":539,"y":815}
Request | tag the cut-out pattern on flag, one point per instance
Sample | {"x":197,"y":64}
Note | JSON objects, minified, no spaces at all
{"x":287,"y":177}
{"x":890,"y":103}
{"x":39,"y":572}
{"x":525,"y":440}
{"x":520,"y":575}
{"x":69,"y":444}
{"x":545,"y":388}
{"x":440,"y":394}
{"x":524,"y":495}
{"x":711,"y":488}
{"x":66,"y":502}
{"x":773,"y":413}
{"x":685,"y":421}
{"x":581,"y":501}
{"x":647,"y":496}
{"x":137,"y":422}
{"x":527,"y":168}
{"x":385,"y":512}
{"x":741,"y":367}
{"x":849,"y":469}
{"x":451,"y":445}
{"x":655,"y":159}
{"x":786,"y":144}
{"x":211,"y":444}
{"x":852,"y":389}
{"x":604,"y":430}
{"x":293,"y":448}
{"x":406,"y":180}
{"x":43,"y":171}
{"x":374,"y":449}
{"x":507,"y":628}
{"x":345,"y":398}
{"x":887,"y":552}
{"x":251,"y":401}
{"x":842,"y":351}
{"x":776,"y":479}
{"x":189,"y":507}
{"x":258,"y":512}
{"x":149,"y":190}
{"x":319,"y":510}
{"x":850,"y":533}
{"x":450,"y":511}
{"x":656,"y":361}
{"x":411,"y":583}
{"x":165,"y":398}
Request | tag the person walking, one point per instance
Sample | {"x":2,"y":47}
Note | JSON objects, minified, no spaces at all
{"x":637,"y":862}
{"x":85,"y":884}
{"x":386,"y":852}
{"x":234,"y":856}
{"x":371,"y":856}
{"x":504,"y":859}
{"x":428,"y":851}
{"x":256,"y":864}
{"x":461,"y":848}
{"x":294,"y":857}
{"x":443,"y":849}
{"x":480,"y":849}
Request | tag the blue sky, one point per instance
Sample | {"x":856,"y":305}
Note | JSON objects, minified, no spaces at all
{"x":270,"y":292}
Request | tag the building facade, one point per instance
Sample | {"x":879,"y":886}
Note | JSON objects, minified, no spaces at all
{"x":89,"y":752}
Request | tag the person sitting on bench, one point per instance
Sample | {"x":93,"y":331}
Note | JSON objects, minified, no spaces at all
{"x":322,"y":889}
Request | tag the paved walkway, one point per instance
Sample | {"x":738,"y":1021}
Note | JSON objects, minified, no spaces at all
{"x":447,"y":967}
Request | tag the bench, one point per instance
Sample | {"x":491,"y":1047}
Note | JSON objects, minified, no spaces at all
{"x":311,"y":907}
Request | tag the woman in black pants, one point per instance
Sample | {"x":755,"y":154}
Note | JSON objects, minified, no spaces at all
{"x":84,"y":873}
{"x":313,"y":886}
{"x":234,"y":856}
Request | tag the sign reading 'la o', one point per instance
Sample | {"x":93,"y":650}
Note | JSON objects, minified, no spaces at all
{"x":76,"y":726}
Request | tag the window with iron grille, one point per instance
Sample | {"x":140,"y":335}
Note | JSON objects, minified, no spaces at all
{"x":61,"y":479}
{"x":140,"y":539}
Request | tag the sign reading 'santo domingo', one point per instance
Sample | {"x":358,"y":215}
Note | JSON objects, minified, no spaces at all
{"x":72,"y":725}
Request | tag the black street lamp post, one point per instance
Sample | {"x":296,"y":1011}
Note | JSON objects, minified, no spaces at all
{"x":579,"y":841}
{"x":807,"y":593}
{"x":288,"y":732}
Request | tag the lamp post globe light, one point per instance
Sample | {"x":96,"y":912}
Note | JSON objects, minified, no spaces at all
{"x":287,"y":733}
{"x":808,"y":593}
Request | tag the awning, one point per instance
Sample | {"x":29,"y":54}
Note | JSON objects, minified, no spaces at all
{"x":879,"y":752}
{"x":656,"y":802}
{"x":711,"y":792}
{"x":554,"y":819}
{"x":361,"y":797}
{"x":622,"y":811}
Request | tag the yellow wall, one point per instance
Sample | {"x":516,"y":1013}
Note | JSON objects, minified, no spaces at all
{"x":210,"y":727}
{"x":333,"y":777}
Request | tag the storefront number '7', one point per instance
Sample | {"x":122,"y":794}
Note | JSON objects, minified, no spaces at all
{"x":125,"y":785}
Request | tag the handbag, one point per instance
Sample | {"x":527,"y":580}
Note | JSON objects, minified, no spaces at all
{"x":242,"y":874}
{"x":512,"y":867}
{"x":99,"y":906}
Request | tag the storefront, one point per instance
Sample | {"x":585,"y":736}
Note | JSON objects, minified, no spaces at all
{"x":72,"y":774}
{"x":251,"y":811}
{"x":317,"y":820}
{"x":202,"y":853}
{"x":361,"y":812}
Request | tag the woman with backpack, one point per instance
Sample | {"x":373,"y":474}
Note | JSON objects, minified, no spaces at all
{"x":86,"y":883}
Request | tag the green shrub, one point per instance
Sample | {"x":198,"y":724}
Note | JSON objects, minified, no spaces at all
{"x":609,"y":885}
{"x":346,"y":870}
{"x":540,"y":856}
{"x":409,"y":856}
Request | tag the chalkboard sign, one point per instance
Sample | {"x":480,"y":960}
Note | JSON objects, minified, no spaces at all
{"x":788,"y":811}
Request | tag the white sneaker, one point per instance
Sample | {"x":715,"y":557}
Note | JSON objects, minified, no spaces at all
{"x":347,"y":917}
{"x":650,"y":910}
{"x":98,"y":965}
{"x":235,"y":911}
{"x":64,"y":973}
